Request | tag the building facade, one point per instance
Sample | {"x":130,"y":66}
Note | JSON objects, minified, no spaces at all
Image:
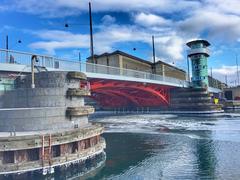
{"x":232,"y":93}
{"x":123,"y":60}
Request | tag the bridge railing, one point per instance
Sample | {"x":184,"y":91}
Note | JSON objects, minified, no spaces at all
{"x":54,"y":63}
{"x":102,"y":69}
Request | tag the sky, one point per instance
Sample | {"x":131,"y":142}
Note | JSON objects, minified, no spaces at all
{"x":125,"y":25}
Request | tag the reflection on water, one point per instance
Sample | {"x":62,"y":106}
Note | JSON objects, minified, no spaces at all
{"x":154,"y":146}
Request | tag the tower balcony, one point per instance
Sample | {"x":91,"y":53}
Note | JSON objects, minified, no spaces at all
{"x":205,"y":51}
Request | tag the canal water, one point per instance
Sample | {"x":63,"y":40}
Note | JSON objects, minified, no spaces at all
{"x":153,"y":146}
{"x":156,"y":146}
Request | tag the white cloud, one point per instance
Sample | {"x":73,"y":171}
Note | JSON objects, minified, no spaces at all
{"x":2,"y":8}
{"x":167,"y":47}
{"x":150,"y":20}
{"x":226,"y":7}
{"x":108,"y":19}
{"x":59,"y":40}
{"x":215,"y":25}
{"x":6,"y":28}
{"x":226,"y":70}
{"x":216,"y":20}
{"x":70,"y":7}
{"x":228,"y":73}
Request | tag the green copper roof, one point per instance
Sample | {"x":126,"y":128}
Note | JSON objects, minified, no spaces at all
{"x":205,"y":42}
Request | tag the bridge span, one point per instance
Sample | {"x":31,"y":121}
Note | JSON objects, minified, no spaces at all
{"x":110,"y":86}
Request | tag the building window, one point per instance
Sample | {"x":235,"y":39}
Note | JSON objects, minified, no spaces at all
{"x":93,"y":141}
{"x":8,"y":157}
{"x":81,"y":145}
{"x":87,"y":143}
{"x":74,"y":147}
{"x":56,"y":64}
{"x":33,"y":154}
{"x":56,"y":151}
{"x":48,"y":62}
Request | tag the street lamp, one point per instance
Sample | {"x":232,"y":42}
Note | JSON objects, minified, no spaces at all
{"x":79,"y":58}
{"x":188,"y":69}
{"x":91,"y":32}
{"x":237,"y":69}
{"x":154,"y":56}
{"x":7,"y":46}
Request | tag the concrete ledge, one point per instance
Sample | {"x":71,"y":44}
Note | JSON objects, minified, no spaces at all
{"x":191,"y":99}
{"x":232,"y":104}
{"x":197,"y":104}
{"x":57,"y":161}
{"x":78,"y":92}
{"x":77,"y":75}
{"x":34,"y":139}
{"x":79,"y":111}
{"x":190,"y":94}
{"x":192,"y":112}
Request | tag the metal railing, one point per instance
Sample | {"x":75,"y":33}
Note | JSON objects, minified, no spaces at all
{"x":198,"y":51}
{"x":54,"y":63}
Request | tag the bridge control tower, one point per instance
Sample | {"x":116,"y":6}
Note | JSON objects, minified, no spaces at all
{"x":199,"y":53}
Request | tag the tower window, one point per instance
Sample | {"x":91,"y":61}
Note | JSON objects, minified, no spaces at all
{"x":197,"y":67}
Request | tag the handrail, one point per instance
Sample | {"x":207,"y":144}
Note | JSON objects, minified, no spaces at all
{"x":54,"y":63}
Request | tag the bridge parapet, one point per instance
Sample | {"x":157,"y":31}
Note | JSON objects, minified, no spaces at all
{"x":16,"y":61}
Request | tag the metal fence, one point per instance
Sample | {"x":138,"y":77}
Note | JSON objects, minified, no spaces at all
{"x":54,"y":63}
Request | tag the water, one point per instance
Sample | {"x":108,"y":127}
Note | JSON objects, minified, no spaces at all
{"x":153,"y":146}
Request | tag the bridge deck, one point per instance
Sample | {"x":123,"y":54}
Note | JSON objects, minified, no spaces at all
{"x":21,"y":62}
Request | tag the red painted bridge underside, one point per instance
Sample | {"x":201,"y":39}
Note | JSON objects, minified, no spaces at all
{"x":113,"y":93}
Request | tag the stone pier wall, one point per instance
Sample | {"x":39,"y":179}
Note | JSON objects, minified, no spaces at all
{"x":48,"y":106}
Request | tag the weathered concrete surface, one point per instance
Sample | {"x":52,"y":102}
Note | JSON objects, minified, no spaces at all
{"x":55,"y":161}
{"x":35,"y":141}
{"x":35,"y":119}
{"x":193,"y":99}
{"x":44,"y":107}
{"x":78,"y":92}
{"x":53,"y":121}
{"x":79,"y":111}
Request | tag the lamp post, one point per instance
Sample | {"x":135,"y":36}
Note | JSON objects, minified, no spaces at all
{"x":237,"y":70}
{"x":188,"y":68}
{"x":79,"y":58}
{"x":226,"y":80}
{"x":211,"y":78}
{"x":7,"y":46}
{"x":33,"y":61}
{"x":154,"y":56}
{"x":91,"y":32}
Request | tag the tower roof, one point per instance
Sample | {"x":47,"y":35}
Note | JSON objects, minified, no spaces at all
{"x":198,"y":41}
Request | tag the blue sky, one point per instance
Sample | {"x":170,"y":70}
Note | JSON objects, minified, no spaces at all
{"x":124,"y":25}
